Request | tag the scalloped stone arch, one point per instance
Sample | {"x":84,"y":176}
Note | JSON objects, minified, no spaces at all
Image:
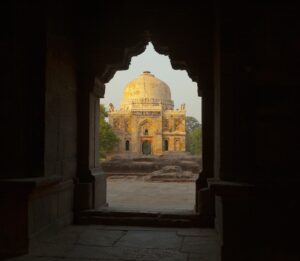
{"x":139,"y":48}
{"x":181,"y":57}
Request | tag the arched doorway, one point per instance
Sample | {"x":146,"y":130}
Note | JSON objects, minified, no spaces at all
{"x":166,"y":145}
{"x":146,"y":148}
{"x":127,"y":145}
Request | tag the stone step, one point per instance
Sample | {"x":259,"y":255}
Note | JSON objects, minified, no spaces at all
{"x":135,"y":218}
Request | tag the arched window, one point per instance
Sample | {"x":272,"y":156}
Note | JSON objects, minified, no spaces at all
{"x":127,"y":145}
{"x":166,"y":145}
{"x":146,"y":132}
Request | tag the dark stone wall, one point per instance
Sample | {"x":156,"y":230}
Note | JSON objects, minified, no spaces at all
{"x":259,"y":90}
{"x":256,"y":204}
{"x":39,"y":122}
{"x":50,"y":207}
{"x":60,"y":136}
{"x":23,"y":45}
{"x":277,"y":83}
{"x":60,"y":97}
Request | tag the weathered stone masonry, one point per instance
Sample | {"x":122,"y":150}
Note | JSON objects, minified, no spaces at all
{"x":147,"y":122}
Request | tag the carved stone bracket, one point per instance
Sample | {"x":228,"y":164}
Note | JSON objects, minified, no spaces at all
{"x":98,"y":88}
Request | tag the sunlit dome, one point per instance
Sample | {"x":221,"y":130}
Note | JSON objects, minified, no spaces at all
{"x":146,"y":86}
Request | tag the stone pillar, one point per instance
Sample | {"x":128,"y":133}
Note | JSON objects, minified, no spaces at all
{"x":232,"y":188}
{"x":204,"y":201}
{"x":90,"y":191}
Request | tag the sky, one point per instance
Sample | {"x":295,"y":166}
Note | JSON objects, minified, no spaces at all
{"x":183,"y":89}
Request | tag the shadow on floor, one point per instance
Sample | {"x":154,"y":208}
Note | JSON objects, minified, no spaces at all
{"x":124,"y":243}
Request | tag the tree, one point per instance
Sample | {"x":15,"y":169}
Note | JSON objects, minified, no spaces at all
{"x":193,"y":136}
{"x":192,"y":123}
{"x":107,"y":138}
{"x":195,"y":145}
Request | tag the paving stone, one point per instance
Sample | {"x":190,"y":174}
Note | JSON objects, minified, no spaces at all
{"x":69,"y":238}
{"x":30,"y":258}
{"x":75,"y":228}
{"x":199,"y":245}
{"x":121,"y":253}
{"x":212,"y":256}
{"x":198,"y":232}
{"x":68,"y":235}
{"x":95,"y":252}
{"x":97,"y":237}
{"x":151,"y":239}
{"x":108,"y":243}
{"x":61,"y":249}
{"x":34,"y":258}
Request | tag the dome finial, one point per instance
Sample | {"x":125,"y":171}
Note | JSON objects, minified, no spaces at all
{"x":147,"y":73}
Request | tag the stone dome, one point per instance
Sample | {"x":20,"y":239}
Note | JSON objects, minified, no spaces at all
{"x":144,"y":89}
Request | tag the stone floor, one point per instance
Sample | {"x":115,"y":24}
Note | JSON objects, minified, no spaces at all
{"x":139,"y":195}
{"x":105,"y":243}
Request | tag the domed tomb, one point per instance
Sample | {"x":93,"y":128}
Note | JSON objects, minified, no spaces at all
{"x":146,"y":89}
{"x":146,"y":122}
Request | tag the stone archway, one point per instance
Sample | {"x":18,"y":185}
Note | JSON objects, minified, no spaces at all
{"x":119,"y":53}
{"x":137,"y":49}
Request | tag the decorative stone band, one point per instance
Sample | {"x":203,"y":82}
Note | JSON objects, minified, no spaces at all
{"x":148,"y":100}
{"x":146,"y":113}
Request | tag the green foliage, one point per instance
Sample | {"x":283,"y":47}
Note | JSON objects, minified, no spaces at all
{"x":193,"y":136}
{"x":107,"y":138}
{"x":191,"y":123}
{"x":195,"y":144}
{"x":103,"y":112}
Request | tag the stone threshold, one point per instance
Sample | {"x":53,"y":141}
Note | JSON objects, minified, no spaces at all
{"x":108,"y":216}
